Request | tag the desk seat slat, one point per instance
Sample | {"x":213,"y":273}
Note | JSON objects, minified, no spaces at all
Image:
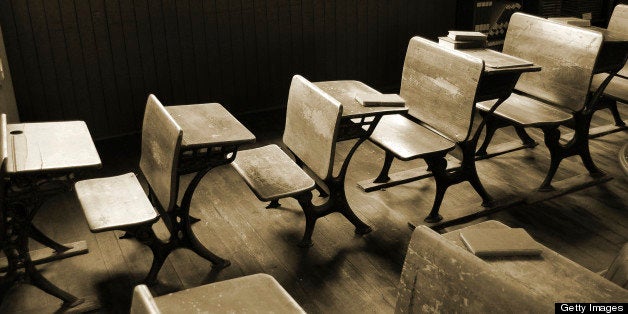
{"x":617,"y":89}
{"x":408,"y":140}
{"x":271,"y":174}
{"x":106,"y":208}
{"x":527,"y":111}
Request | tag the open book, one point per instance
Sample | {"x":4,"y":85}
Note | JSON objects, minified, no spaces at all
{"x":374,"y":99}
{"x":500,"y":242}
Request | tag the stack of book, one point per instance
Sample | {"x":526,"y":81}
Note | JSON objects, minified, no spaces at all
{"x":463,"y":40}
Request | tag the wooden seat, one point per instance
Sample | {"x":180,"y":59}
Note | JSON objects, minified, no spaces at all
{"x":527,"y":112}
{"x":439,"y":86}
{"x":440,"y":275}
{"x":617,"y":272}
{"x":398,"y":135}
{"x":259,"y":293}
{"x":547,"y":99}
{"x":312,"y":123}
{"x":119,"y":203}
{"x":107,"y":209}
{"x":271,"y":174}
{"x":617,"y":89}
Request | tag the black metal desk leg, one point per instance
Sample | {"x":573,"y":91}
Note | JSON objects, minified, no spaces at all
{"x":185,"y":223}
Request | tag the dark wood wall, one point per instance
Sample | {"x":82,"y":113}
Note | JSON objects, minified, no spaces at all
{"x":97,"y":60}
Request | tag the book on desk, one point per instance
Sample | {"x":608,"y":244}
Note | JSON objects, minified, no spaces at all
{"x":460,"y":44}
{"x":466,"y":35}
{"x":500,"y":242}
{"x":379,"y":100}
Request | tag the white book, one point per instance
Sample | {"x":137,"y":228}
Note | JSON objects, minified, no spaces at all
{"x":500,"y":242}
{"x":374,"y":99}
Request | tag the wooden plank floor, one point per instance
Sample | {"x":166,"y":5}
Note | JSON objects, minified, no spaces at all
{"x":341,"y":272}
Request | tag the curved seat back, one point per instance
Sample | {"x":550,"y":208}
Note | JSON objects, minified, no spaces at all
{"x":161,"y":143}
{"x":439,"y":86}
{"x":312,"y":122}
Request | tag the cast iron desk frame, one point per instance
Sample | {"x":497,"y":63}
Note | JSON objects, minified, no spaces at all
{"x":496,"y":82}
{"x":26,"y":187}
{"x":211,"y":138}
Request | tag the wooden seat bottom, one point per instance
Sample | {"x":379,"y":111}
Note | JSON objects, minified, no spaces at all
{"x":526,"y":111}
{"x":408,"y":140}
{"x":114,"y":202}
{"x":271,"y":173}
{"x":617,"y":89}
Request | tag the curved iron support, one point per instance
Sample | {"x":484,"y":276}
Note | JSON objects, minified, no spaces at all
{"x":16,"y":231}
{"x":337,"y":201}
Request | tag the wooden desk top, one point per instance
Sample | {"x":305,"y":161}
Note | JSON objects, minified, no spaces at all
{"x":49,"y":147}
{"x":210,"y":124}
{"x":344,"y":92}
{"x":259,"y":293}
{"x":550,"y":274}
{"x":497,"y":62}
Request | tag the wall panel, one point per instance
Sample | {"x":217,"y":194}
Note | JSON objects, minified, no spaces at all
{"x":97,"y":60}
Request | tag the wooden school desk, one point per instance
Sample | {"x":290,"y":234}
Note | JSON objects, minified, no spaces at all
{"x":41,"y":160}
{"x":211,"y":138}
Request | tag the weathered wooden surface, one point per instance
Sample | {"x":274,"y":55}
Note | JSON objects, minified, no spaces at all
{"x":439,"y":86}
{"x":567,"y":55}
{"x":527,"y":111}
{"x":617,"y":89}
{"x":209,"y":125}
{"x":259,"y":293}
{"x":114,"y":202}
{"x":50,"y":146}
{"x":270,"y":173}
{"x":344,"y":92}
{"x":161,"y":143}
{"x":312,"y":121}
{"x":408,"y":140}
{"x":619,"y":19}
{"x":552,"y":275}
{"x":143,"y":302}
{"x":440,"y":275}
{"x":617,"y":272}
